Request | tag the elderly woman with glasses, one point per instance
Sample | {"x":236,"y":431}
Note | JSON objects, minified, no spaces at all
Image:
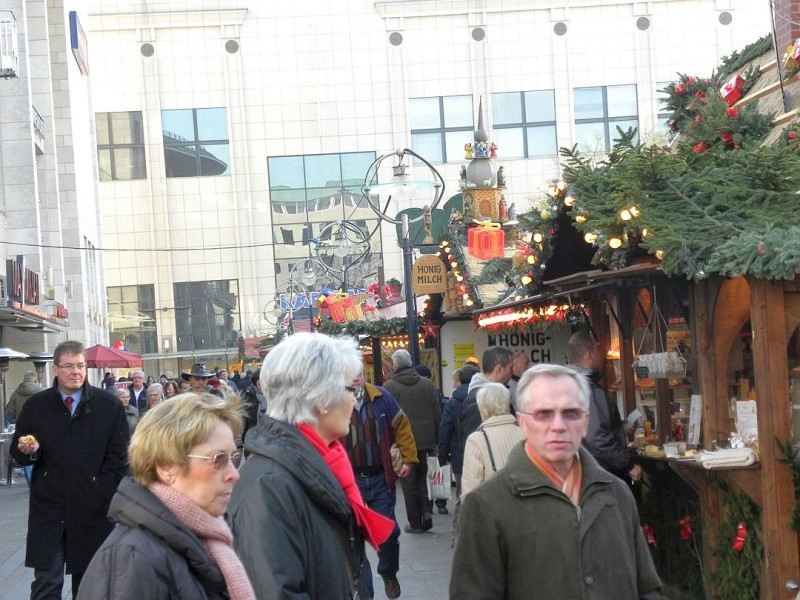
{"x":131,"y":414}
{"x":487,"y":449}
{"x":155,"y":395}
{"x":171,"y":540}
{"x":297,"y":514}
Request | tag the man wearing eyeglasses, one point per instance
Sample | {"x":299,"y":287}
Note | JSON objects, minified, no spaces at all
{"x":552,"y":524}
{"x":76,"y":437}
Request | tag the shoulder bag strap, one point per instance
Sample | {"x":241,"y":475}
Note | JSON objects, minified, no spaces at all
{"x":489,"y":447}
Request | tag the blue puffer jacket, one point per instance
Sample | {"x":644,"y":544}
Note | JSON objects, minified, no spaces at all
{"x":450,"y":447}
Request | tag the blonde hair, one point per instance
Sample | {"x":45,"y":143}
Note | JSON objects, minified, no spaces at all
{"x":493,"y":399}
{"x":168,"y":432}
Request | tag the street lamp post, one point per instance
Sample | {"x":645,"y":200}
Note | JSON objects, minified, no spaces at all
{"x":403,"y":189}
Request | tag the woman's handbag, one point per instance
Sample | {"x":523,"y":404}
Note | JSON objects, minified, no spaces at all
{"x":438,"y":480}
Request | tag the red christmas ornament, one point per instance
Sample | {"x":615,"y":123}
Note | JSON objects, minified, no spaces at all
{"x":701,"y":96}
{"x":741,"y":535}
{"x":700,"y":147}
{"x":686,"y":527}
{"x":698,"y":118}
{"x":649,"y":535}
{"x":691,"y":80}
{"x":726,"y":137}
{"x":680,"y":88}
{"x":733,"y":112}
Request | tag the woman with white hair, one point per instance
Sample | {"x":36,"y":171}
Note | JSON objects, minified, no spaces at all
{"x":487,"y":449}
{"x":298,"y":518}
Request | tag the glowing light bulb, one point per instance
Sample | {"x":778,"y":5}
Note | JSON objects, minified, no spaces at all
{"x":562,"y":185}
{"x":660,"y":254}
{"x":569,"y":200}
{"x":538,"y":237}
{"x":531,"y":259}
{"x":625,"y":214}
{"x":580,"y":218}
{"x":615,"y":243}
{"x":645,"y":233}
{"x":589,"y":237}
{"x":634,"y":211}
{"x":525,"y":279}
{"x":447,"y":250}
{"x":459,"y":278}
{"x":468,"y":302}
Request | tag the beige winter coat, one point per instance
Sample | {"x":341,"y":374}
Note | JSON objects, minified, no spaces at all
{"x":504,"y":434}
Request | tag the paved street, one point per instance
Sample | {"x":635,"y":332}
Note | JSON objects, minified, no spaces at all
{"x":424,"y":559}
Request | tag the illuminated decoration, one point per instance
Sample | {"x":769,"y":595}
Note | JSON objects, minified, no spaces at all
{"x":514,"y":319}
{"x":615,"y":243}
{"x":458,"y":298}
{"x":590,"y":237}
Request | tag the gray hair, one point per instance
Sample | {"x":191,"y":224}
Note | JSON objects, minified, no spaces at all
{"x":120,"y":392}
{"x":307,"y":373}
{"x":30,"y":377}
{"x":548,"y":370}
{"x":493,"y":399}
{"x":156,"y":387}
{"x":137,"y":374}
{"x":401,"y":359}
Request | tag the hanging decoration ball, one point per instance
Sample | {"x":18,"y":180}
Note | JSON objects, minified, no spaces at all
{"x":660,"y":254}
{"x":590,"y":237}
{"x":686,"y":527}
{"x":615,"y":243}
{"x":741,"y":534}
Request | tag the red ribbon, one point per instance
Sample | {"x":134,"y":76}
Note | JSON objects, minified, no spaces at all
{"x":741,"y":535}
{"x":686,"y":527}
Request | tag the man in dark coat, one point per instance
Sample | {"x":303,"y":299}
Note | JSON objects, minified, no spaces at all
{"x":78,"y":453}
{"x":419,"y":399}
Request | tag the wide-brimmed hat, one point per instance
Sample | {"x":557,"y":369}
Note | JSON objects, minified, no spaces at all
{"x":198,"y":370}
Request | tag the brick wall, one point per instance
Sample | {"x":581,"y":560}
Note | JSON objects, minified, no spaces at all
{"x":785,"y":31}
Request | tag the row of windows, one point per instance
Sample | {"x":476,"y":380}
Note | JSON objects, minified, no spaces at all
{"x":195,"y":143}
{"x":205,"y":315}
{"x":524,"y":123}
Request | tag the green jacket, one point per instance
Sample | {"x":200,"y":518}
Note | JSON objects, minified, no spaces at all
{"x":519,"y":538}
{"x":25,"y":390}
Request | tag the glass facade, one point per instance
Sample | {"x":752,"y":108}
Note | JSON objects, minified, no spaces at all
{"x":132,"y":318}
{"x":120,"y":145}
{"x":196,"y":142}
{"x":206,"y":315}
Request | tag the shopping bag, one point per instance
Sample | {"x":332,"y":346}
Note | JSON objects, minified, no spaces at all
{"x":438,"y":480}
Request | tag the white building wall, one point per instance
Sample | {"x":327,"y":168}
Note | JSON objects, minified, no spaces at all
{"x":321,"y":77}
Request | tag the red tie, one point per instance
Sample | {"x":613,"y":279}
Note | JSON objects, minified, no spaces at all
{"x":68,"y":401}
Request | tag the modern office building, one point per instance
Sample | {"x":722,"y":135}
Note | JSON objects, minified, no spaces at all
{"x":231,"y":137}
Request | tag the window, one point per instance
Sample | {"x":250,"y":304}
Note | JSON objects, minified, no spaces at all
{"x":440,"y":127}
{"x":524,"y":124}
{"x":120,"y":145}
{"x":598,"y":113}
{"x":307,"y":195}
{"x":132,"y":317}
{"x":196,"y":142}
{"x":664,"y":114}
{"x":205,"y":316}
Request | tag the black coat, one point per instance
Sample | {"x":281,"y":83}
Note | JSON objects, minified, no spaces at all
{"x":141,"y":402}
{"x":450,"y":447}
{"x":292,"y":525}
{"x":150,"y":554}
{"x":80,"y":462}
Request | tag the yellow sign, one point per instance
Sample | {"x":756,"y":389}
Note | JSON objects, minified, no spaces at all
{"x":429,"y":276}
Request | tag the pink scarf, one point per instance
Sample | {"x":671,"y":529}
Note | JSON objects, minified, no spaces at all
{"x":377,"y":528}
{"x":215,"y":535}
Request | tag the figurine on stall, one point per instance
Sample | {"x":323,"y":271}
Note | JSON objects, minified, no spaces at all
{"x":501,"y":177}
{"x":512,"y":213}
{"x":493,"y":151}
{"x":468,"y":150}
{"x":454,"y":216}
{"x":427,"y":224}
{"x":462,"y":175}
{"x":503,"y":209}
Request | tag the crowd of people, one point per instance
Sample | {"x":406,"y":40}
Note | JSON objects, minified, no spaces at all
{"x":270,"y":486}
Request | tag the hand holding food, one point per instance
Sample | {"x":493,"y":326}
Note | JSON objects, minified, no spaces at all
{"x":27,"y":444}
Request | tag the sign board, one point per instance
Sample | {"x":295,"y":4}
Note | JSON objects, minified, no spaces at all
{"x":428,"y":276}
{"x":695,"y":420}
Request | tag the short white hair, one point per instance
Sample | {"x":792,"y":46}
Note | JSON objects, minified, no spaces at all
{"x":493,"y":399}
{"x":307,"y":373}
{"x":549,"y":370}
{"x":401,"y":359}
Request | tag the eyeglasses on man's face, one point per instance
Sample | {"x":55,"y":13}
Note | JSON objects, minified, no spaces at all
{"x":71,"y":367}
{"x":546,"y":415}
{"x":219,"y":460}
{"x":351,"y":389}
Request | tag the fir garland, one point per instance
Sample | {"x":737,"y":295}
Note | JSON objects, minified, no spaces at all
{"x":736,"y":576}
{"x":377,"y":328}
{"x":791,"y":458}
{"x":736,"y":60}
{"x":493,"y":271}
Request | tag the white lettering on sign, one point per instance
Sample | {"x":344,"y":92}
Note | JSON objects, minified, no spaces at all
{"x":541,"y":346}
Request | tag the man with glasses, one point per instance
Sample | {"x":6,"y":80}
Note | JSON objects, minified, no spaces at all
{"x":552,"y":523}
{"x":138,"y":390}
{"x":606,"y":438}
{"x":76,"y":437}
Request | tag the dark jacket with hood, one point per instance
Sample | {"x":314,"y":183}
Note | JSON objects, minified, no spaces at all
{"x":150,"y":554}
{"x":450,"y":447}
{"x":25,"y":390}
{"x":419,"y":399}
{"x":292,"y":525}
{"x":80,"y":462}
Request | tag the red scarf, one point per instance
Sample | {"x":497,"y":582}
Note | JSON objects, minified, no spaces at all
{"x":377,"y":528}
{"x":571,"y":485}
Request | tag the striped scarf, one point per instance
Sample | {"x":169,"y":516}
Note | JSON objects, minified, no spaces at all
{"x":569,"y":486}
